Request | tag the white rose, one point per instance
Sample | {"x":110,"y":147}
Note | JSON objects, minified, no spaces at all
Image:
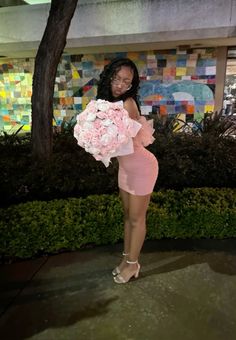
{"x":92,"y":150}
{"x":105,"y":139}
{"x":102,"y":105}
{"x":91,"y":117}
{"x":112,"y":130}
{"x":107,"y":122}
{"x":87,"y":126}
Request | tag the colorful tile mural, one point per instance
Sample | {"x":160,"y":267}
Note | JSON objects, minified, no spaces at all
{"x":15,"y":94}
{"x":172,"y":82}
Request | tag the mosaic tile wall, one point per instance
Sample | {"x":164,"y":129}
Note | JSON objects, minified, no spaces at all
{"x":172,"y":82}
{"x":15,"y":94}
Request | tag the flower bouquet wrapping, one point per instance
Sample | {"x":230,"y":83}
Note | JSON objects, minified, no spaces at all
{"x":105,"y":130}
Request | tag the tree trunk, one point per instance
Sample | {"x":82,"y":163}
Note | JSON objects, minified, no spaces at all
{"x":46,"y":62}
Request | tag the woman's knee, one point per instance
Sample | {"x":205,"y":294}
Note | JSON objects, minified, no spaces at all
{"x":139,"y":222}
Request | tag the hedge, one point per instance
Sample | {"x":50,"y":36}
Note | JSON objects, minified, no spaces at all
{"x":185,"y":161}
{"x":44,"y":227}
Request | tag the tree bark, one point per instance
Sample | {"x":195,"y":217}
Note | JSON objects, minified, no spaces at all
{"x":46,"y":62}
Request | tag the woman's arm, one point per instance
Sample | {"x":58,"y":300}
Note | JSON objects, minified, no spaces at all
{"x":131,"y":107}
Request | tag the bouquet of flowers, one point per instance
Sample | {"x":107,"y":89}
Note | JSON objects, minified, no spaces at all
{"x":105,"y":130}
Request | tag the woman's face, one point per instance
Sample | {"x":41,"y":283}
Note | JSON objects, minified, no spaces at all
{"x":121,"y":81}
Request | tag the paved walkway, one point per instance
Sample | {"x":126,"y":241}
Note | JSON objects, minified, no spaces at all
{"x":187,"y":291}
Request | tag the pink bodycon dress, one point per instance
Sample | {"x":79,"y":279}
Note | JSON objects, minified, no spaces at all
{"x":138,"y":171}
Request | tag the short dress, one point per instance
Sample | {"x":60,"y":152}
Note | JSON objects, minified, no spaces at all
{"x":138,"y":171}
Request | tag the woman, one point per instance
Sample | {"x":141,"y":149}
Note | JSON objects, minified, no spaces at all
{"x":137,"y":171}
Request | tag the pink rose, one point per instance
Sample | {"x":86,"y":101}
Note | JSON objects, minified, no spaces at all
{"x":103,"y":127}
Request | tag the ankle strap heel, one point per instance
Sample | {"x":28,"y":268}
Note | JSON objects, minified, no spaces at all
{"x":120,"y":279}
{"x":116,"y":271}
{"x":131,"y":262}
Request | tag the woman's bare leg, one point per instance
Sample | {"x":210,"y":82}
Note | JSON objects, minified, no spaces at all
{"x":127,"y":230}
{"x":125,"y":196}
{"x":138,"y":206}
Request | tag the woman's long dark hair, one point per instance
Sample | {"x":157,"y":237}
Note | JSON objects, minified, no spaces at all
{"x":110,"y":70}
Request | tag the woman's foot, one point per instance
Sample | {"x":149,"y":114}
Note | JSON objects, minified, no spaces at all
{"x":121,"y":266}
{"x":131,"y":269}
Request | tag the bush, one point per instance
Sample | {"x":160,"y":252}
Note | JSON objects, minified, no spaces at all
{"x":35,"y":228}
{"x":70,"y":172}
{"x":187,"y":161}
{"x":200,"y":154}
{"x":205,"y":158}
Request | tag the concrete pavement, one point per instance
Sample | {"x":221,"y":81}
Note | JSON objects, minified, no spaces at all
{"x":186,"y":291}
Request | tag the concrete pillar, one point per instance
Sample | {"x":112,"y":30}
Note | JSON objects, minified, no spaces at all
{"x":221,"y":55}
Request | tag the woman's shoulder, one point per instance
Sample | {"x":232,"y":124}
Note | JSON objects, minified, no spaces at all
{"x":131,"y":106}
{"x":130,"y":101}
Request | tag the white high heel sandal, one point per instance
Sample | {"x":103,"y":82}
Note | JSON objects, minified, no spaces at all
{"x":119,"y":279}
{"x":116,"y":271}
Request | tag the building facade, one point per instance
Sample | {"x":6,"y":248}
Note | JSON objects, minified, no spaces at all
{"x":180,"y":49}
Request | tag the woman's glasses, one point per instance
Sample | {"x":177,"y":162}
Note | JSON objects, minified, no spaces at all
{"x":124,"y":83}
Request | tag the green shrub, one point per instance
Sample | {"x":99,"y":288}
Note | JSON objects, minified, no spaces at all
{"x":206,"y":158}
{"x":39,"y":227}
